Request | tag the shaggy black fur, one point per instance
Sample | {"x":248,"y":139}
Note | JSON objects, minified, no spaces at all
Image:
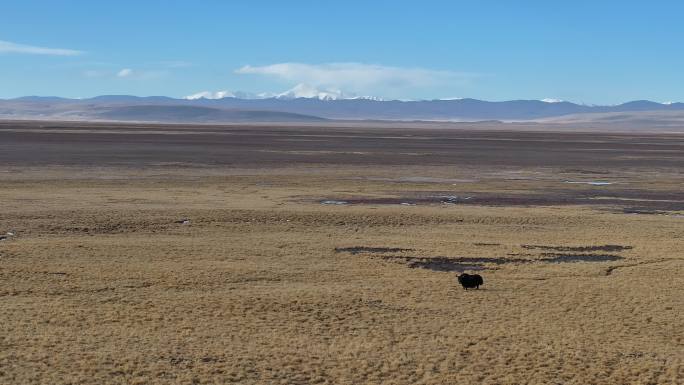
{"x":469,"y":281}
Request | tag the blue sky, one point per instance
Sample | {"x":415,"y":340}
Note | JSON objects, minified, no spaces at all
{"x":584,"y":51}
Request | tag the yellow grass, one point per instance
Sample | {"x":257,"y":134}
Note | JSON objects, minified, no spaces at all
{"x":100,"y":286}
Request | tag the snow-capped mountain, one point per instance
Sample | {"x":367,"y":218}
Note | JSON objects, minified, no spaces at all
{"x":309,"y":103}
{"x":210,"y":95}
{"x":309,"y":92}
{"x":299,"y":91}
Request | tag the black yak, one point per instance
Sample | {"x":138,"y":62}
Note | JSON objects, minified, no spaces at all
{"x":469,"y":281}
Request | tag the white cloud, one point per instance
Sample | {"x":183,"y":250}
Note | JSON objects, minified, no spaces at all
{"x":9,"y":47}
{"x":358,"y":77}
{"x":142,"y":74}
{"x":552,"y":100}
{"x":124,"y":73}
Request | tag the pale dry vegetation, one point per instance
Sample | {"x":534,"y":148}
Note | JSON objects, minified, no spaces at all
{"x":100,"y":285}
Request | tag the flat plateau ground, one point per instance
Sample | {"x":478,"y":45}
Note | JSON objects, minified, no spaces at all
{"x":329,"y":255}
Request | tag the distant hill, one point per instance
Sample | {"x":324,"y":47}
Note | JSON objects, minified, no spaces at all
{"x":643,"y":119}
{"x":196,"y":114}
{"x":229,"y":109}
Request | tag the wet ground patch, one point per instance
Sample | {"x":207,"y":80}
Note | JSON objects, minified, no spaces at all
{"x":333,"y":202}
{"x":464,"y":264}
{"x":569,"y":258}
{"x":366,"y":249}
{"x":461,"y":264}
{"x":584,"y":171}
{"x":411,"y":200}
{"x":646,"y":211}
{"x":643,"y":211}
{"x":589,"y":182}
{"x":444,"y":264}
{"x":424,"y":179}
{"x":627,"y":199}
{"x":580,"y":249}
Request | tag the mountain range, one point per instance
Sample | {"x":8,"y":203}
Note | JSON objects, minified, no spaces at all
{"x":224,"y":108}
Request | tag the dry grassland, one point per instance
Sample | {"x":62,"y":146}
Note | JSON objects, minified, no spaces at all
{"x":100,"y":285}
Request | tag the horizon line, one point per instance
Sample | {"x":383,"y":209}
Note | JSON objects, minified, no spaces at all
{"x":369,"y":99}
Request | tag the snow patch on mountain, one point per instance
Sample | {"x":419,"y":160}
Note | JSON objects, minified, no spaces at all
{"x":210,"y":95}
{"x":309,"y":92}
{"x":298,"y":91}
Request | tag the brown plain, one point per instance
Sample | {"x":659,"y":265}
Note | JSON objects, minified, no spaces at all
{"x":100,"y":284}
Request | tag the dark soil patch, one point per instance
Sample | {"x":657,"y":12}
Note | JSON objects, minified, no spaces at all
{"x":515,"y":145}
{"x":646,"y":200}
{"x":461,"y":264}
{"x":583,"y":171}
{"x":569,"y":258}
{"x":463,"y":260}
{"x":464,"y":264}
{"x":411,"y":201}
{"x":579,"y":249}
{"x":444,"y":264}
{"x":641,"y":210}
{"x":365,"y":249}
